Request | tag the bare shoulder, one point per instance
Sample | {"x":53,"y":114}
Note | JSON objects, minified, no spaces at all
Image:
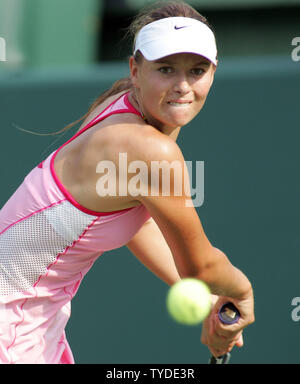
{"x":146,"y":143}
{"x":127,"y":132}
{"x":138,"y":140}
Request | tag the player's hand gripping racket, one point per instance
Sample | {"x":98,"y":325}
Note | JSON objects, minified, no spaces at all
{"x":228,"y":314}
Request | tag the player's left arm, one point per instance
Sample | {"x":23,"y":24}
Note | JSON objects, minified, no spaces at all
{"x":151,"y":249}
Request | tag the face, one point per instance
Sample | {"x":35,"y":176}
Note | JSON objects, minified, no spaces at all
{"x":171,"y":91}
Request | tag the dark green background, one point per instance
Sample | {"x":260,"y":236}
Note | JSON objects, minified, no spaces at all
{"x":248,"y":137}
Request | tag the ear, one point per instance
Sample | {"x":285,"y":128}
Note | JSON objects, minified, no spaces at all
{"x":133,"y":71}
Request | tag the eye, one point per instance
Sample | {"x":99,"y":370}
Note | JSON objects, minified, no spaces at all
{"x":165,"y":70}
{"x":197,"y":71}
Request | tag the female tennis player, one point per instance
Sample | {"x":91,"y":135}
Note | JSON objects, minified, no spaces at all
{"x":59,"y":221}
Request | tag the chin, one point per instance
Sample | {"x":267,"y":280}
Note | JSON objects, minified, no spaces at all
{"x":174,"y":121}
{"x":180,"y":122}
{"x":181,"y":118}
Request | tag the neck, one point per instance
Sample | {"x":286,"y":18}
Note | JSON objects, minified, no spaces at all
{"x":172,"y":132}
{"x":169,"y":131}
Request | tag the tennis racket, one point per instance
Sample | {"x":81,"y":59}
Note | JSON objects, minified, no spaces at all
{"x":228,"y":314}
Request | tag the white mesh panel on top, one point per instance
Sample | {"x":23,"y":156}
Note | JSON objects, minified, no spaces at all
{"x":28,"y":247}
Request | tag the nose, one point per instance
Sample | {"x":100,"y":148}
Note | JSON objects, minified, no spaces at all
{"x":181,"y":84}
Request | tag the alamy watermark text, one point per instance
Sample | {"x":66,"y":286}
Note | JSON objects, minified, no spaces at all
{"x":162,"y":179}
{"x":2,"y":49}
{"x":296,"y":51}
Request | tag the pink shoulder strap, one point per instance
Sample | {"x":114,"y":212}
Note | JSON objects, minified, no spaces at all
{"x":120,"y":105}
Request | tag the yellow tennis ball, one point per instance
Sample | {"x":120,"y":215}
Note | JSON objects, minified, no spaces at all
{"x":189,"y":301}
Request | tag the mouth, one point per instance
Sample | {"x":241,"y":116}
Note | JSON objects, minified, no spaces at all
{"x":179,"y":103}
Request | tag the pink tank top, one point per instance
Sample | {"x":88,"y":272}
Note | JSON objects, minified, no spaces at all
{"x":48,"y":242}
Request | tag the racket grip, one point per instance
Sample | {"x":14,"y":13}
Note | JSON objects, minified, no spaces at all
{"x":228,"y":314}
{"x":224,"y":359}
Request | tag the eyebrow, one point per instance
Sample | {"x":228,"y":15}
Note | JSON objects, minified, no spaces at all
{"x":166,"y":61}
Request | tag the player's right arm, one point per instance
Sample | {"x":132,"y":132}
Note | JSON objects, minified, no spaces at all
{"x":181,"y":227}
{"x":179,"y":223}
{"x":192,"y":252}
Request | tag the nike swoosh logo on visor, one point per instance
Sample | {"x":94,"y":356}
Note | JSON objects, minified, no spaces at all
{"x":180,"y":27}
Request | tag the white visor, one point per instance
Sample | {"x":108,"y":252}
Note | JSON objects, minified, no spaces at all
{"x":172,"y":35}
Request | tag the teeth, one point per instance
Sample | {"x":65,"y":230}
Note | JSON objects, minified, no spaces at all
{"x":179,"y":104}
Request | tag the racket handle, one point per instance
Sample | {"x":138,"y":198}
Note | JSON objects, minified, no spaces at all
{"x":228,"y":314}
{"x":224,"y":359}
